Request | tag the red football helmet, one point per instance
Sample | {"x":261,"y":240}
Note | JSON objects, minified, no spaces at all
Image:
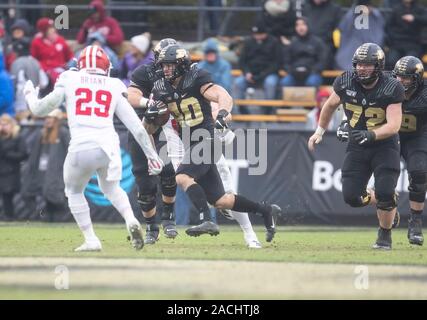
{"x":94,"y":60}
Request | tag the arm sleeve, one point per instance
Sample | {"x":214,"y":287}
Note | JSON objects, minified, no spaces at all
{"x":42,"y":107}
{"x":127,"y":115}
{"x":397,"y":96}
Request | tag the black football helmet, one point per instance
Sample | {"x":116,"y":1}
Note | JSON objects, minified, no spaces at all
{"x":412,"y":67}
{"x":175,"y":54}
{"x":369,"y":53}
{"x":161,"y":45}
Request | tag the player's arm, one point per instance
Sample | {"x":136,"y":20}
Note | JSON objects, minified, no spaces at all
{"x":394,"y":121}
{"x":326,"y":113}
{"x":42,"y":107}
{"x":220,"y":96}
{"x":129,"y":118}
{"x":136,"y":98}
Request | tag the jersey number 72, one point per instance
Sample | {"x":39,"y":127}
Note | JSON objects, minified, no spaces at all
{"x":102,"y":98}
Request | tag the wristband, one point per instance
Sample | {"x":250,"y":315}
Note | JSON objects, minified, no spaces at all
{"x":143,"y":102}
{"x":320,"y":131}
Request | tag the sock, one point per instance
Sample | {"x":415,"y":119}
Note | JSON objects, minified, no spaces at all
{"x":241,"y":204}
{"x":385,"y":230}
{"x":151,"y":223}
{"x":416,"y":213}
{"x":80,"y":210}
{"x":198,"y":197}
{"x":119,"y":199}
{"x":168,"y":213}
{"x":244,"y":222}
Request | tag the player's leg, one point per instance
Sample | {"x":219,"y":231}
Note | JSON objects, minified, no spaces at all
{"x":386,"y":164}
{"x":214,"y":190}
{"x":147,"y":190}
{"x":120,"y":200}
{"x":78,"y":168}
{"x":168,"y":187}
{"x":242,"y":218}
{"x":355,"y":173}
{"x":417,"y":169}
{"x":187,"y":177}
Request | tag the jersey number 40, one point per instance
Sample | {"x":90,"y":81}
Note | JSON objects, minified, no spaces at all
{"x":102,"y":98}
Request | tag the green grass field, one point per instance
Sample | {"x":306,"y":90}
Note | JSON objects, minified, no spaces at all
{"x":29,"y":253}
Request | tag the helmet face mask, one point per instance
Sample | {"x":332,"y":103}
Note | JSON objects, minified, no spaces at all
{"x":409,"y":71}
{"x":368,"y":54}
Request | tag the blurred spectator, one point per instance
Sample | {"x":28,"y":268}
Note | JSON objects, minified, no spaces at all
{"x":218,"y":67}
{"x":19,"y":29}
{"x":99,"y":21}
{"x":305,"y":58}
{"x":323,"y":17}
{"x":50,"y":49}
{"x":260,"y":62}
{"x":24,"y":68}
{"x":6,"y":90}
{"x":47,"y":157}
{"x":351,"y":37}
{"x":404,"y":30}
{"x":12,"y":153}
{"x":139,"y":54}
{"x":97,"y":39}
{"x":279,"y":18}
{"x":313,"y":116}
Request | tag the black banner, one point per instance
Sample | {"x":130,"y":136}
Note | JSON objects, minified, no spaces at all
{"x":306,"y":185}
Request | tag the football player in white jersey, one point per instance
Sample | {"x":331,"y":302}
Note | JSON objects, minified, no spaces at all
{"x":92,"y":98}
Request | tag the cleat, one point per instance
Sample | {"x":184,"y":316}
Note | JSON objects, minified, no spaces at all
{"x":151,"y":236}
{"x":135,"y":233}
{"x":270,"y":222}
{"x":207,"y":227}
{"x":415,"y":233}
{"x":254,"y":244}
{"x":88,"y":246}
{"x":169,"y":229}
{"x":396,"y":220}
{"x":384,"y":240}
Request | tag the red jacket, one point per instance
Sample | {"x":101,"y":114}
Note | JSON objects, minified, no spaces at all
{"x":51,"y":55}
{"x":107,"y":26}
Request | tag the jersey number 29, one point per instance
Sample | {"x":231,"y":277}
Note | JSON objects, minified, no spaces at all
{"x":102,"y":98}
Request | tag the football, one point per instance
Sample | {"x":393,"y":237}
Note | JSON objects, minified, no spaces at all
{"x":163,"y":117}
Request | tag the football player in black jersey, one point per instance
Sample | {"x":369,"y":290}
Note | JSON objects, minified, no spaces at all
{"x":413,"y":139}
{"x":188,"y":93}
{"x":142,"y":81}
{"x":373,"y":104}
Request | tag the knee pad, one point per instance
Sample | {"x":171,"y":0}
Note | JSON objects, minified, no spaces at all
{"x":147,"y":185}
{"x":147,"y":201}
{"x":386,"y":202}
{"x":418,"y":182}
{"x":168,"y":186}
{"x":357,"y":202}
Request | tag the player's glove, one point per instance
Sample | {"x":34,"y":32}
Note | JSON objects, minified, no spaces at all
{"x":221,"y":122}
{"x":155,"y":109}
{"x":31,"y":94}
{"x":155,"y":165}
{"x":343,"y":131}
{"x":363,"y":137}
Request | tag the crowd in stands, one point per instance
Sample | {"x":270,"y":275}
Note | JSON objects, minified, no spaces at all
{"x":286,"y":47}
